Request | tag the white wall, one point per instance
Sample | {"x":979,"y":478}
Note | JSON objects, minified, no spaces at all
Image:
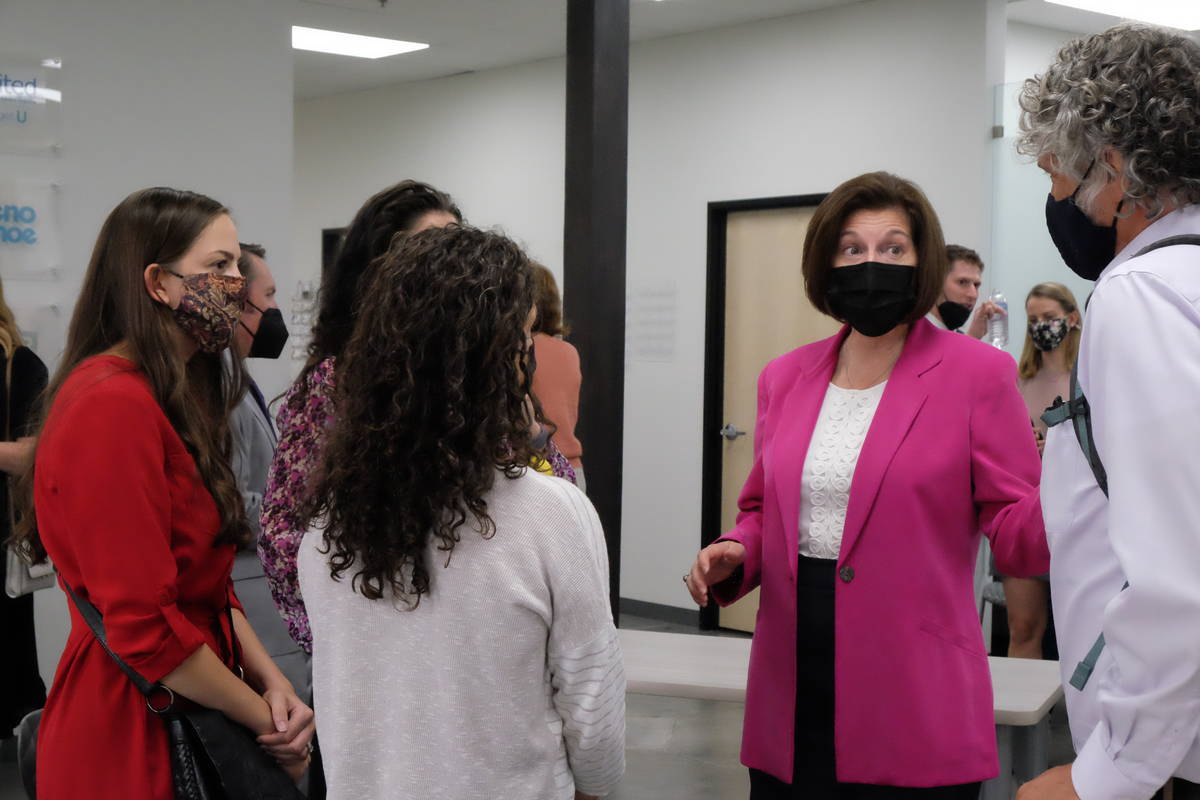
{"x":195,"y":94}
{"x":1029,"y":49}
{"x":786,"y":106}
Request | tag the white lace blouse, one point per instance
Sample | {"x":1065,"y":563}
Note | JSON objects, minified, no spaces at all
{"x":837,"y":440}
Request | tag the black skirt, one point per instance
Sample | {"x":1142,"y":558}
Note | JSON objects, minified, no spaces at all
{"x":815,"y":773}
{"x":23,"y":690}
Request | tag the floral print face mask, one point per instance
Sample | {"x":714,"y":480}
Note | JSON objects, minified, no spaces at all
{"x":210,"y":308}
{"x":1048,"y":334}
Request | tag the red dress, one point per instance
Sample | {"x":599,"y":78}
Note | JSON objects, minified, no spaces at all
{"x":126,"y":518}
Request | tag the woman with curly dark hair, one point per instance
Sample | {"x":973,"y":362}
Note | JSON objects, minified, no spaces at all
{"x":407,"y":207}
{"x":463,"y":643}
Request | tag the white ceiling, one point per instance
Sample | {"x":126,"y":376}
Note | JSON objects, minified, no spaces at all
{"x":472,"y":35}
{"x":1064,"y":18}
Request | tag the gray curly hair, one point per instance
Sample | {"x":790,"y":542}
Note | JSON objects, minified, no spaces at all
{"x":1133,"y":88}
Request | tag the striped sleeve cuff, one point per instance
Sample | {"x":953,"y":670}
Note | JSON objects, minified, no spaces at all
{"x":589,"y":695}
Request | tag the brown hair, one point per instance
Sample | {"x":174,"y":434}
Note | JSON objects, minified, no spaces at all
{"x":873,"y":192}
{"x":245,"y":263}
{"x":956,"y":252}
{"x":1031,"y":357}
{"x":431,"y":393}
{"x":549,"y":304}
{"x":392,"y":211}
{"x":152,"y":226}
{"x":10,"y":333}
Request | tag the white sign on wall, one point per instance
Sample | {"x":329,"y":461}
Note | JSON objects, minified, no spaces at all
{"x":29,"y":233}
{"x":30,"y":104}
{"x":652,"y":322}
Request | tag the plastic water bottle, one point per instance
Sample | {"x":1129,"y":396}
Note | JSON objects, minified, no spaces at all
{"x":997,"y":327}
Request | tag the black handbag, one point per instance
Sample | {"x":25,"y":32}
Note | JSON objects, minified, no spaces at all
{"x":212,"y":757}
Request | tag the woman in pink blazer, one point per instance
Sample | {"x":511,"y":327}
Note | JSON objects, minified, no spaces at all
{"x":880,"y":456}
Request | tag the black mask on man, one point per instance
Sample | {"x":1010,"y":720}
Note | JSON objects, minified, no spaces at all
{"x":872,"y":297}
{"x":272,"y":334}
{"x":954,"y":315}
{"x":1087,"y":248}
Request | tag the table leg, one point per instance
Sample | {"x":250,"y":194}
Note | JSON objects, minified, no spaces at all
{"x":1002,"y":787}
{"x":1031,"y":749}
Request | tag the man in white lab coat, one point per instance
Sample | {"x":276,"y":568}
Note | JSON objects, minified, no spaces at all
{"x":1115,"y":121}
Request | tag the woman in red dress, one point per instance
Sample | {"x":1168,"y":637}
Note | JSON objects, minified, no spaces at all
{"x":135,"y":502}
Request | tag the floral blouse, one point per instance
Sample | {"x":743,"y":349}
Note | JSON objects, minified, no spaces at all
{"x":305,"y":416}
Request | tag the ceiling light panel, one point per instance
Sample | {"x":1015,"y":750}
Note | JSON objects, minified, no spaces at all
{"x":350,"y":44}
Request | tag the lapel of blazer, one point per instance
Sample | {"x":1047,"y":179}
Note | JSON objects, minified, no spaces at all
{"x":898,"y":408}
{"x":801,"y":407}
{"x":264,"y":424}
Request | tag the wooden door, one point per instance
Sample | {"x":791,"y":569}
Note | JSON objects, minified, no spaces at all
{"x":766,"y":314}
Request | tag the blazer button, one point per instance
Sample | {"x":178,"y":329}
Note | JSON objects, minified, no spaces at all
{"x":846,"y":574}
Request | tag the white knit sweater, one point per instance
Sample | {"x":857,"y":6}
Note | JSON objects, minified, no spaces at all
{"x":505,"y":682}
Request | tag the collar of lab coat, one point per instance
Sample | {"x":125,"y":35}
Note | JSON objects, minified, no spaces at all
{"x":1185,"y":219}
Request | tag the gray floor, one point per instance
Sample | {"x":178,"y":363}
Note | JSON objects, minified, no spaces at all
{"x":675,"y":748}
{"x":680,"y":748}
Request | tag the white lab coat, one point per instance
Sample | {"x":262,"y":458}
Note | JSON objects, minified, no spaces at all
{"x":1136,"y":722}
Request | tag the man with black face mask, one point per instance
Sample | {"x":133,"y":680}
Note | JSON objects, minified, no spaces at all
{"x":260,"y":333}
{"x":960,"y":294}
{"x":1114,"y":122}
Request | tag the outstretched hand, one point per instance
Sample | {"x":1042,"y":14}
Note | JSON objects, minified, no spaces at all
{"x":714,"y":564}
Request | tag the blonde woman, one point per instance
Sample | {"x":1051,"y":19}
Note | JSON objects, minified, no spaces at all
{"x":24,"y":380}
{"x":1051,"y":347}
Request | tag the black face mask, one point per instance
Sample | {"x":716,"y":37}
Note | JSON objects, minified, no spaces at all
{"x":953,"y":314}
{"x":1087,"y":248}
{"x":272,"y":334}
{"x":872,"y":297}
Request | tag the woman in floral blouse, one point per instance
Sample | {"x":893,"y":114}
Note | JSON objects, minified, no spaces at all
{"x":307,"y":410}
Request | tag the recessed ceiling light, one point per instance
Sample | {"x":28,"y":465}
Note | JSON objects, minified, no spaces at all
{"x":1171,"y":13}
{"x":349,"y":44}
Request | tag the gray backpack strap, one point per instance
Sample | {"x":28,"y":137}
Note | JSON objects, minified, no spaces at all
{"x":1079,"y":414}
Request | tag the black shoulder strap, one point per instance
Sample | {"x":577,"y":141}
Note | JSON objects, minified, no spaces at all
{"x":91,"y":615}
{"x":1170,"y":241}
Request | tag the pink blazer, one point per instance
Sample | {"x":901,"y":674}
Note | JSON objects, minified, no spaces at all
{"x":950,"y":453}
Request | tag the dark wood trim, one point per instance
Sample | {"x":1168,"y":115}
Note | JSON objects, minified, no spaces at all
{"x":597,"y":129}
{"x":714,"y":363}
{"x":727,"y":207}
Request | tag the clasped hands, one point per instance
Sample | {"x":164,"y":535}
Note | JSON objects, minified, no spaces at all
{"x":295,"y":724}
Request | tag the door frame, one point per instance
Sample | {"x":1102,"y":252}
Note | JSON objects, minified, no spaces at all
{"x":714,"y":363}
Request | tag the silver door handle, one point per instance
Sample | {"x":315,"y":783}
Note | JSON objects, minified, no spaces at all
{"x":730,"y":432}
